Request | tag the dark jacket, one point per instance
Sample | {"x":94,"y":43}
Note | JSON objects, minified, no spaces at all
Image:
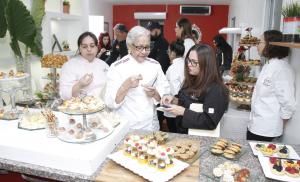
{"x":118,"y":49}
{"x":215,"y":102}
{"x":227,"y":55}
{"x":159,"y":52}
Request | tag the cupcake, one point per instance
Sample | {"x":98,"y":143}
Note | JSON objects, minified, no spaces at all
{"x":161,"y":161}
{"x":152,"y":161}
{"x":170,"y":153}
{"x":142,"y":154}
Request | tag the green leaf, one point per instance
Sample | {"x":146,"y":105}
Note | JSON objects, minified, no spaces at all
{"x":20,"y":25}
{"x":3,"y":24}
{"x":38,"y":12}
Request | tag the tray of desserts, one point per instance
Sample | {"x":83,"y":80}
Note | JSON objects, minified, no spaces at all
{"x":280,"y":169}
{"x":274,"y":150}
{"x":227,"y":149}
{"x":11,"y":75}
{"x":53,"y":61}
{"x":146,"y":158}
{"x":229,"y":171}
{"x":186,"y":150}
{"x":7,"y":114}
{"x":75,"y":132}
{"x":32,"y":120}
{"x":85,"y":105}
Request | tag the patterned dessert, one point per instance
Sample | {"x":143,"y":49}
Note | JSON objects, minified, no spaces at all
{"x":87,"y":104}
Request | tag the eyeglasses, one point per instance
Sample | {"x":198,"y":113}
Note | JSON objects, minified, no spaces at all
{"x":192,"y":62}
{"x":141,"y":48}
{"x":85,"y":46}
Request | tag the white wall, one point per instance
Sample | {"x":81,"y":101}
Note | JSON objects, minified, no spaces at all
{"x":97,"y":7}
{"x":291,"y":133}
{"x":248,"y":13}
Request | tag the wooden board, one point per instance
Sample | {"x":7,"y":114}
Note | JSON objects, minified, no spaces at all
{"x":113,"y":172}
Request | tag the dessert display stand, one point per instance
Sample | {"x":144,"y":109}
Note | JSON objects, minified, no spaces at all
{"x":11,"y":86}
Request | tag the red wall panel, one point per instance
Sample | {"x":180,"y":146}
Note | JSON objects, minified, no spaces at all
{"x":209,"y":25}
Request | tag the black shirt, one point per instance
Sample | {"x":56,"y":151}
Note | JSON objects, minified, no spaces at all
{"x":159,"y":52}
{"x":215,"y":102}
{"x":226,"y":54}
{"x":118,"y":49}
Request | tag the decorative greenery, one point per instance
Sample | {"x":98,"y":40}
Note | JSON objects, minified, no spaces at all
{"x":21,"y":25}
{"x":66,"y":2}
{"x":291,"y":10}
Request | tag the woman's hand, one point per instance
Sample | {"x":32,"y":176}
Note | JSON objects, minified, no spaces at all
{"x":151,"y":91}
{"x":176,"y":110}
{"x":132,"y":82}
{"x":102,"y":51}
{"x":85,"y":80}
{"x":167,"y":100}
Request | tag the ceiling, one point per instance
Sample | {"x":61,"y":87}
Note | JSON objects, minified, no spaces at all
{"x":211,"y":2}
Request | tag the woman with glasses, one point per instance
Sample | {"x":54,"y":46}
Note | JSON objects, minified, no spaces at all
{"x":84,"y":73}
{"x":273,"y":101}
{"x":183,"y":32}
{"x":136,"y":83}
{"x":202,"y":100}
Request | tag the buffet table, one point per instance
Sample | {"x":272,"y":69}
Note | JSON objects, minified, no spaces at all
{"x":110,"y":171}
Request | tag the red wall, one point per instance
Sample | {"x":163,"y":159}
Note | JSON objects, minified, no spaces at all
{"x":209,"y":25}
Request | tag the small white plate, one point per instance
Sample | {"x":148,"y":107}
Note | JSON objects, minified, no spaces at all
{"x":292,"y":153}
{"x":147,"y":172}
{"x":264,"y":162}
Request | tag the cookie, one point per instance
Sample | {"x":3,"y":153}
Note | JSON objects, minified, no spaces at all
{"x":217,"y":151}
{"x":229,"y":156}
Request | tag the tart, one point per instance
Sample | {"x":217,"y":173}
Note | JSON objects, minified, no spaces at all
{"x":292,"y":172}
{"x":283,"y":151}
{"x":277,"y":168}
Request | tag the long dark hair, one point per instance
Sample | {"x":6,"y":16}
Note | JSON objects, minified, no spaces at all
{"x":198,"y":84}
{"x":187,"y":28}
{"x":221,"y":43}
{"x":273,"y":51}
{"x":101,"y":45}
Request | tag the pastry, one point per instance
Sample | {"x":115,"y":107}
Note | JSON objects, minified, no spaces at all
{"x":217,"y":151}
{"x":277,"y":168}
{"x":217,"y":172}
{"x":292,"y":172}
{"x":228,"y":155}
{"x":283,"y":152}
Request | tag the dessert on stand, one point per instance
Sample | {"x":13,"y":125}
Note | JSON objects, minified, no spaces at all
{"x":52,"y":61}
{"x":244,"y":72}
{"x":10,"y":83}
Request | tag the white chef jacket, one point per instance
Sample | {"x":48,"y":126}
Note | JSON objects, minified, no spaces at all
{"x":137,"y":107}
{"x":188,"y":44}
{"x":175,"y":76}
{"x":75,"y":69}
{"x":273,"y":98}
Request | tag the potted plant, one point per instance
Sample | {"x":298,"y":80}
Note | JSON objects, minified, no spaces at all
{"x":66,"y":6}
{"x":66,"y":46}
{"x":291,"y":22}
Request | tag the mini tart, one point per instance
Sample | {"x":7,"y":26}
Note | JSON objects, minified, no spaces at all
{"x":292,"y":172}
{"x":259,"y":146}
{"x":277,"y":169}
{"x":283,"y":151}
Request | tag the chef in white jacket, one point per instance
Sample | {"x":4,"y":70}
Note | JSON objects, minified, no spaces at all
{"x":136,"y":83}
{"x":84,"y":73}
{"x":273,"y":101}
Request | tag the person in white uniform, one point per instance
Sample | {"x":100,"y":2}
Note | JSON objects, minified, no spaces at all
{"x":83,"y":74}
{"x":273,"y":101}
{"x":175,"y":76}
{"x":136,"y":83}
{"x":183,"y":32}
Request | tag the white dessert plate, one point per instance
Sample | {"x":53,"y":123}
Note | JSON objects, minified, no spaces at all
{"x":265,"y":164}
{"x":292,"y":153}
{"x":147,"y":172}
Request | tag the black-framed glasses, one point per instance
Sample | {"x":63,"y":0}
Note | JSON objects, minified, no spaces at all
{"x":192,"y":62}
{"x":141,"y":48}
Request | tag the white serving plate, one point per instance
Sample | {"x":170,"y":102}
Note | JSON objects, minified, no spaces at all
{"x":292,"y":153}
{"x":147,"y":172}
{"x":264,"y":162}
